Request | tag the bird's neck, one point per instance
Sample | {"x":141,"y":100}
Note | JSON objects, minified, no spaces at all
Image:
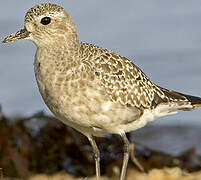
{"x":60,"y":46}
{"x":59,"y":53}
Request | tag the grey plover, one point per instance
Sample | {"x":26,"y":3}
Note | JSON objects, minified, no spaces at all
{"x":92,"y":89}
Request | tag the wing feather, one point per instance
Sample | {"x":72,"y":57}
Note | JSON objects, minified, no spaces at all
{"x":124,"y":82}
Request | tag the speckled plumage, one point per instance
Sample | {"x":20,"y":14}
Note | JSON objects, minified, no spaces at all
{"x":92,"y":89}
{"x":41,"y":10}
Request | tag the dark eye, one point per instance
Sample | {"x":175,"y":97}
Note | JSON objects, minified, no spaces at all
{"x":45,"y":20}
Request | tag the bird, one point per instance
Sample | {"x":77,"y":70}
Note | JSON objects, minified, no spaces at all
{"x":91,"y":89}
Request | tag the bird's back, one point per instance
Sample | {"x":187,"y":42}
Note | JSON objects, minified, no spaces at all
{"x":126,"y":83}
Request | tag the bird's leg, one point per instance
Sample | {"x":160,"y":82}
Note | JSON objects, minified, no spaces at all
{"x":126,"y":155}
{"x":96,"y":156}
{"x":133,"y":158}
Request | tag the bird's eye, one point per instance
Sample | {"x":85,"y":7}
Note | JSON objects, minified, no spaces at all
{"x":45,"y":20}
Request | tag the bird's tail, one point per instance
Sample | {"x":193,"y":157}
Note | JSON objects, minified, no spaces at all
{"x":177,"y":97}
{"x":194,"y":100}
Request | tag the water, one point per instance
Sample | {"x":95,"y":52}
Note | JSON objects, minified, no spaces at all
{"x":162,"y":37}
{"x":169,"y":139}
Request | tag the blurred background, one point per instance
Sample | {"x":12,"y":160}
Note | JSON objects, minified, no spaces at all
{"x":162,"y":37}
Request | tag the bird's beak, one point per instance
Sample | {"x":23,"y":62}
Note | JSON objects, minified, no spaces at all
{"x":22,"y":34}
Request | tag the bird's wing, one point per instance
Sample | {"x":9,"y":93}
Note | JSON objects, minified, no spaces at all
{"x":124,"y":82}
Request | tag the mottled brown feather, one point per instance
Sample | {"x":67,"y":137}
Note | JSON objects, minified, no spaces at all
{"x":42,"y":9}
{"x":124,"y":82}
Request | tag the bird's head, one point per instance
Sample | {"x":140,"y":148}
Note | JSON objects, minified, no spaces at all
{"x":46,"y":24}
